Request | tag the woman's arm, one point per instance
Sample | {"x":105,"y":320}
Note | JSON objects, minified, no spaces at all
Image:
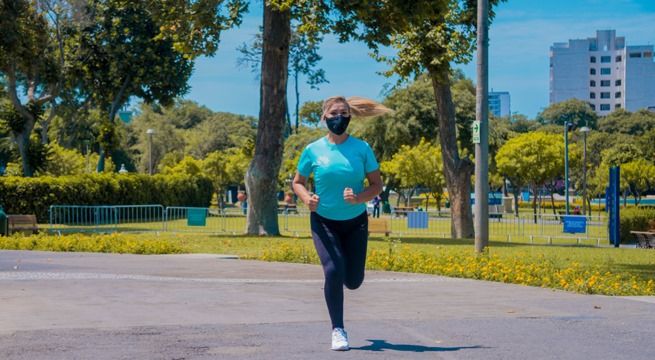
{"x":299,"y":187}
{"x":374,"y":188}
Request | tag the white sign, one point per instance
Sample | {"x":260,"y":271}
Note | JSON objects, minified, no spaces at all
{"x":475,"y":127}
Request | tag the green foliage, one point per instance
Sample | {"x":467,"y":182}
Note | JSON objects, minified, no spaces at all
{"x":115,"y":243}
{"x":621,"y":153}
{"x":419,"y":165}
{"x":311,"y":112}
{"x":576,"y":111}
{"x":35,"y":195}
{"x":638,"y":176}
{"x":625,"y":122}
{"x":532,"y":158}
{"x":635,"y":219}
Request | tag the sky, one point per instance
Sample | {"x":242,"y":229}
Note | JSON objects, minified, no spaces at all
{"x":520,"y":38}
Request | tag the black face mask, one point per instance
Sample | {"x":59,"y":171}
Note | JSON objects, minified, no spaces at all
{"x":338,"y":124}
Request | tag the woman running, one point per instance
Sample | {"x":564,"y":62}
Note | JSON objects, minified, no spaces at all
{"x":339,"y":222}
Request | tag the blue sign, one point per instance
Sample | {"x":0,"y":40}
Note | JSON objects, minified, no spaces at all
{"x":197,"y":217}
{"x":613,"y":202}
{"x":525,"y":196}
{"x":417,"y":220}
{"x":575,"y":224}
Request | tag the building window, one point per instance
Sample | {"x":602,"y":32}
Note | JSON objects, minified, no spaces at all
{"x":606,"y":71}
{"x":635,"y":55}
{"x":648,"y":54}
{"x":605,"y":83}
{"x":617,"y":106}
{"x":617,"y":95}
{"x":593,"y":107}
{"x":606,"y":59}
{"x":593,"y":59}
{"x":605,"y":95}
{"x":617,"y":82}
{"x":618,"y":58}
{"x":592,"y":95}
{"x":592,"y":71}
{"x":604,"y":107}
{"x":592,"y":83}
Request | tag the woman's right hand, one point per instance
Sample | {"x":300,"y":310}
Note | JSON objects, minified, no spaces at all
{"x":312,"y":202}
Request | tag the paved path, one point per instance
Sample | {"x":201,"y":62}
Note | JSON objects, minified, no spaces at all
{"x":100,"y":306}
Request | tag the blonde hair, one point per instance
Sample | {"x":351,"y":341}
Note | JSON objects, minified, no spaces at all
{"x":358,"y":106}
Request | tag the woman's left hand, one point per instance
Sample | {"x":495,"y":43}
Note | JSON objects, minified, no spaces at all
{"x":349,"y":196}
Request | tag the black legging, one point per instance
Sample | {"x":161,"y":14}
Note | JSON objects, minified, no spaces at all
{"x":341,"y":246}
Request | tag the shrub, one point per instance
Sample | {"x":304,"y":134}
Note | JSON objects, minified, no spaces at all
{"x":635,"y":219}
{"x":518,"y":269}
{"x":115,"y":243}
{"x":35,"y":195}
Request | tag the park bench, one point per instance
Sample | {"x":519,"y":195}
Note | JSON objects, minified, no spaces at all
{"x":287,"y":208}
{"x":24,"y":223}
{"x":402,"y":210}
{"x":645,"y":239}
{"x":378,"y":226}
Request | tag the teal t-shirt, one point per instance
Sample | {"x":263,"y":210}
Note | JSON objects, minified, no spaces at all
{"x":336,"y":167}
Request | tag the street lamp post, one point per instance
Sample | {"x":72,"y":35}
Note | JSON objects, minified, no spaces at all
{"x":150,"y":132}
{"x":567,"y":126}
{"x":584,"y":130}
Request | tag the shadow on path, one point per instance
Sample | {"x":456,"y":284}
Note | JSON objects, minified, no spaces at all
{"x":381,"y":345}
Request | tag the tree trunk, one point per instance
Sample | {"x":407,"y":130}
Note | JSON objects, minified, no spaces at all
{"x":261,"y":177}
{"x":457,"y":170}
{"x":516,"y":202}
{"x":23,"y":143}
{"x":552,"y":199}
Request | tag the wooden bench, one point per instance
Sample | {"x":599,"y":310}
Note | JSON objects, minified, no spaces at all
{"x":645,"y":239}
{"x":403,"y":210}
{"x":287,"y":208}
{"x":24,"y":223}
{"x":378,"y":226}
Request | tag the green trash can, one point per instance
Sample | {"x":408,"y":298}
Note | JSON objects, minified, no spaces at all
{"x":3,"y":222}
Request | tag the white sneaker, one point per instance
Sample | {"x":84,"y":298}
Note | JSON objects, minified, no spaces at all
{"x":340,"y":340}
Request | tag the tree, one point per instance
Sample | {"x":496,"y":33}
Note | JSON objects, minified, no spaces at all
{"x":27,"y":63}
{"x":262,"y":174}
{"x":532,"y":159}
{"x":625,"y":122}
{"x":419,"y":165}
{"x":146,"y":49}
{"x":303,"y":60}
{"x":428,"y":36}
{"x":638,"y":176}
{"x":577,"y":111}
{"x":226,"y":168}
{"x":311,"y":112}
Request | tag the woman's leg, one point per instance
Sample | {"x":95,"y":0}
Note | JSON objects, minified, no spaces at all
{"x":328,"y":247}
{"x":353,"y":244}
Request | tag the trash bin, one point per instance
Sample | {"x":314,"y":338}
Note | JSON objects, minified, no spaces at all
{"x":3,"y":222}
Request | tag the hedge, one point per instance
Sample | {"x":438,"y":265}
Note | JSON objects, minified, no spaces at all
{"x":20,"y":195}
{"x":635,"y":219}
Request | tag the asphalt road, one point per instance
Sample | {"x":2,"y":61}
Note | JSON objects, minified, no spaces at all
{"x":102,"y":306}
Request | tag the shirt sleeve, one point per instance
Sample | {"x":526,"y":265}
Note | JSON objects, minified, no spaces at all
{"x":305,"y":163}
{"x":370,"y":163}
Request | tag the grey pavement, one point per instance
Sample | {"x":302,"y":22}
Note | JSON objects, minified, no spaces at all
{"x":108,"y":306}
